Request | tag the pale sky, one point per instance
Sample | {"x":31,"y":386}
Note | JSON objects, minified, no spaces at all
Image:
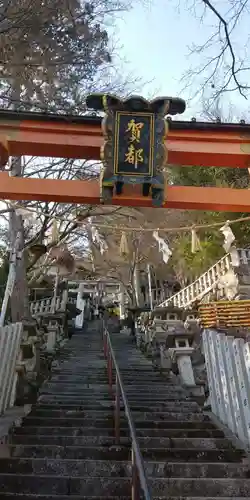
{"x":155,"y":43}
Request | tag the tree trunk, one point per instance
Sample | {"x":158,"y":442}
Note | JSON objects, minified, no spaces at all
{"x":19,"y":299}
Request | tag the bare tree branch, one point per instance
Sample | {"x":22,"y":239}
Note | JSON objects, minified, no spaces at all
{"x":224,"y":64}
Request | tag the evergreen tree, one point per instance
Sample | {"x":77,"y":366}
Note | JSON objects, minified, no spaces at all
{"x":188,"y":265}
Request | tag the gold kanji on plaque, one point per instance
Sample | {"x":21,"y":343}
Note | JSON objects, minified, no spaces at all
{"x":135,"y":129}
{"x":134,"y":156}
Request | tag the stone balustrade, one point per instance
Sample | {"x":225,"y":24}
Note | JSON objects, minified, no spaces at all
{"x":11,"y":337}
{"x":26,"y":352}
{"x":213,"y":361}
{"x":228,"y":373}
{"x":47,"y":306}
{"x":227,"y":278}
{"x":41,"y":306}
{"x":50,"y":305}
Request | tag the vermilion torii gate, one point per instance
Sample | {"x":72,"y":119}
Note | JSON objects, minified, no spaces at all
{"x":188,"y":143}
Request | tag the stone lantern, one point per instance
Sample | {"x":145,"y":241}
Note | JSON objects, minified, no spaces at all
{"x":176,"y":342}
{"x":181,"y":354}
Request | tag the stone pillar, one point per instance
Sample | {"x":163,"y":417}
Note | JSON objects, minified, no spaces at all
{"x":136,"y":282}
{"x":165,"y":357}
{"x":185,"y":367}
{"x":64,"y":299}
{"x":150,"y":287}
{"x":80,"y":304}
{"x":122,"y":302}
{"x":51,"y":338}
{"x":182,"y":355}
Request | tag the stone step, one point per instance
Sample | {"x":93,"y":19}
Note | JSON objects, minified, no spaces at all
{"x":60,"y":410}
{"x":72,"y":362}
{"x":89,"y":431}
{"x":66,"y":447}
{"x":98,"y":363}
{"x":76,"y":362}
{"x":81,"y":350}
{"x":77,"y":399}
{"x":62,"y":373}
{"x":90,"y":394}
{"x":98,"y":389}
{"x":103,"y":380}
{"x":79,"y":402}
{"x":95,"y":410}
{"x":109,"y":423}
{"x":153,"y":377}
{"x":92,"y":377}
{"x":79,"y":373}
{"x":108,"y":416}
{"x":53,"y":407}
{"x":144,"y":442}
{"x":96,"y":486}
{"x":139,"y":370}
{"x":20,"y":496}
{"x":94,"y":384}
{"x":99,"y":412}
{"x":132,"y":374}
{"x":103,"y":414}
{"x":124,"y":453}
{"x":98,"y":468}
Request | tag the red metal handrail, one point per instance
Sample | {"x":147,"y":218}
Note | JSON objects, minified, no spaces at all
{"x":138,"y":470}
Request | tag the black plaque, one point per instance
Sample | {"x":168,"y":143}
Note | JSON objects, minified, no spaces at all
{"x":133,"y":143}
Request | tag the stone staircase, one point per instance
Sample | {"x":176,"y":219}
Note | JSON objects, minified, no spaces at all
{"x":66,"y":448}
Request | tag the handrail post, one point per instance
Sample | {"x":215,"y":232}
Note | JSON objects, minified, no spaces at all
{"x":135,"y":493}
{"x":105,"y":343}
{"x":117,"y":411}
{"x":110,"y":376}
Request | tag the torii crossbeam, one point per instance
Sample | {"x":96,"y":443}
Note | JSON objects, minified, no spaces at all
{"x":188,"y":143}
